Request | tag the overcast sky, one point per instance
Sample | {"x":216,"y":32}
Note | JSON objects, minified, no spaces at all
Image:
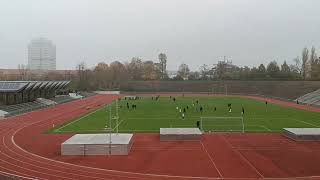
{"x":248,"y":32}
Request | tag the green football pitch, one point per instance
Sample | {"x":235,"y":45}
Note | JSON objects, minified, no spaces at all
{"x":150,"y":115}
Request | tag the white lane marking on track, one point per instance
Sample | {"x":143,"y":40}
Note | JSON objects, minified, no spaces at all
{"x":104,"y":170}
{"x":214,"y":164}
{"x":246,"y":160}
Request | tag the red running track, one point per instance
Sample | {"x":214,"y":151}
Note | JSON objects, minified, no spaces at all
{"x":28,"y":152}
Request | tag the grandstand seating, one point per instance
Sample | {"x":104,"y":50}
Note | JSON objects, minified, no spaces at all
{"x":312,"y":98}
{"x":62,"y":99}
{"x":21,"y":108}
{"x":46,"y":101}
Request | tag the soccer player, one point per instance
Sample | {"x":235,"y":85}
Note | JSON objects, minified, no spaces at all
{"x":201,"y":109}
{"x":242,"y":110}
{"x":266,"y":106}
{"x":184,"y":110}
{"x":182,"y":116}
{"x":127,"y":105}
{"x":215,"y":108}
{"x":229,"y":106}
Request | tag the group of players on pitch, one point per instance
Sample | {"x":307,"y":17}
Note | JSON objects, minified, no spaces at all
{"x":198,"y":107}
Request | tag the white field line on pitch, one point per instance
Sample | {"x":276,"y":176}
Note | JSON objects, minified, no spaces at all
{"x":289,"y":119}
{"x":118,"y":124}
{"x":58,"y":130}
{"x":306,"y":122}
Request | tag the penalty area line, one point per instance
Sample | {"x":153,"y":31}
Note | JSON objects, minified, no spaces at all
{"x":58,"y":130}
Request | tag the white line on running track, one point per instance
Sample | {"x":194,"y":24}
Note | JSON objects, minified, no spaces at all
{"x":214,"y":164}
{"x":244,"y":158}
{"x":15,"y":175}
{"x":58,"y":130}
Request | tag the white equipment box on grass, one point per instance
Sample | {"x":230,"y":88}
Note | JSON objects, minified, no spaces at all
{"x":174,"y":134}
{"x":97,"y":144}
{"x":302,"y":134}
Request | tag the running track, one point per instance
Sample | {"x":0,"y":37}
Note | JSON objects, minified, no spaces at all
{"x":29,"y":153}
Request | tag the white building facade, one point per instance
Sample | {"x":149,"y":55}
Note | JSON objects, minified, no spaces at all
{"x":41,"y":55}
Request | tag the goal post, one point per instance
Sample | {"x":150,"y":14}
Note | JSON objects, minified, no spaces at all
{"x":222,"y":124}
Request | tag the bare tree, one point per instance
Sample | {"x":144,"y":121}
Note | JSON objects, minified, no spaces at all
{"x":313,"y":63}
{"x":23,"y":72}
{"x":204,"y":72}
{"x":184,"y":71}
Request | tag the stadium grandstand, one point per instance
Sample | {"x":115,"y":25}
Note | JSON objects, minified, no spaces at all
{"x":22,"y":96}
{"x":312,"y":98}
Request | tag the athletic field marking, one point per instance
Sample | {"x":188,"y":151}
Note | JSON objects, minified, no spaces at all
{"x":15,"y":175}
{"x":58,"y":130}
{"x":108,"y":170}
{"x":118,"y":124}
{"x":266,"y":128}
{"x":248,"y":162}
{"x":305,"y":122}
{"x":214,"y":164}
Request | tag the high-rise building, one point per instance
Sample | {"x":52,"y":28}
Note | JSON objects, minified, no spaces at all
{"x":41,"y":54}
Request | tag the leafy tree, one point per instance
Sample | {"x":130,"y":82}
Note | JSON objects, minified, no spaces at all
{"x":285,"y":70}
{"x":163,"y":63}
{"x":305,"y":56}
{"x":314,"y":63}
{"x":273,"y":69}
{"x":149,"y":71}
{"x":262,"y":72}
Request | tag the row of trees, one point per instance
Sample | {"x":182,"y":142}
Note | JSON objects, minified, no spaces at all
{"x":108,"y":76}
{"x":306,"y":68}
{"x":104,"y":75}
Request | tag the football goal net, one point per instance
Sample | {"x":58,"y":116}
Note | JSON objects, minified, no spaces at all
{"x":222,"y":124}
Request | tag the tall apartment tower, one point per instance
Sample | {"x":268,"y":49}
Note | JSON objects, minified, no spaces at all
{"x":41,"y":54}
